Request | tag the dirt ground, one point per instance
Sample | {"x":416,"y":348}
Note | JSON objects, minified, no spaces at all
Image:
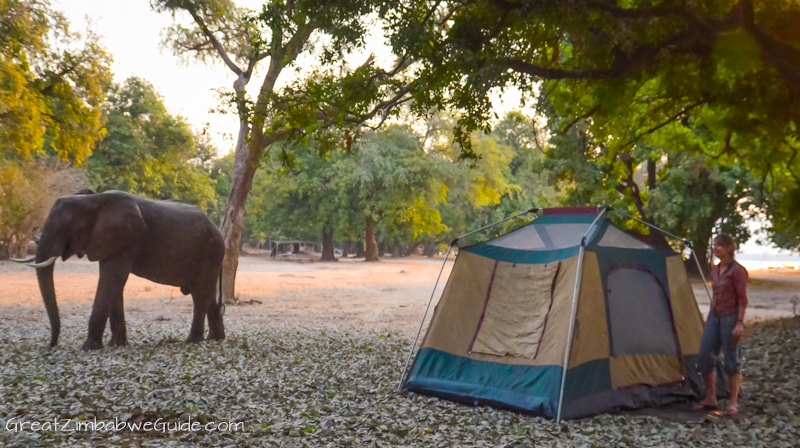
{"x":388,"y":296}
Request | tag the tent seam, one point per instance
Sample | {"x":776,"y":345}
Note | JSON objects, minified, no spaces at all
{"x":485,"y":305}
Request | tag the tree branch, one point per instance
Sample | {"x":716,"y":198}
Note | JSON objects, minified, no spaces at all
{"x":622,"y":63}
{"x":661,"y":125}
{"x":693,"y":20}
{"x":579,"y":118}
{"x":214,"y":42}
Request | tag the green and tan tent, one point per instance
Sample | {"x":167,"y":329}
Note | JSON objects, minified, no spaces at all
{"x":570,"y":279}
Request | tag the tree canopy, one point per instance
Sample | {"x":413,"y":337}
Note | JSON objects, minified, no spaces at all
{"x":387,"y":184}
{"x":333,"y":96}
{"x":719,"y":79}
{"x":148,"y":151}
{"x":53,"y":83}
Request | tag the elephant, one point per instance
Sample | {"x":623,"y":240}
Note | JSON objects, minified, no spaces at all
{"x":167,"y":242}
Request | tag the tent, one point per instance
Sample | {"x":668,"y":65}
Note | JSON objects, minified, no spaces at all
{"x":569,"y":289}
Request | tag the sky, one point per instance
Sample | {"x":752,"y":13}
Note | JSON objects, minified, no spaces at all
{"x":131,"y":32}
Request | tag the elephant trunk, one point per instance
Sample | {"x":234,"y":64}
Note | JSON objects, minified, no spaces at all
{"x":48,"y":290}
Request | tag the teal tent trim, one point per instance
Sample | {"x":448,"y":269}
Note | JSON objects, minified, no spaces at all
{"x":489,"y":250}
{"x":522,"y":256}
{"x":587,"y":379}
{"x":532,"y":389}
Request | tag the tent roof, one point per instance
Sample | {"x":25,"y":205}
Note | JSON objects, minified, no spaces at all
{"x":556,"y":235}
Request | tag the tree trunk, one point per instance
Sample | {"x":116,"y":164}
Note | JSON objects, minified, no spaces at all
{"x":327,"y":245}
{"x":245,"y":163}
{"x":411,"y":249}
{"x":651,"y":175}
{"x":360,"y":253}
{"x":21,"y":249}
{"x":397,"y":250}
{"x":371,"y":252}
{"x":430,"y":247}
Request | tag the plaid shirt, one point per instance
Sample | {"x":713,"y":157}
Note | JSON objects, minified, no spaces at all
{"x":730,"y":289}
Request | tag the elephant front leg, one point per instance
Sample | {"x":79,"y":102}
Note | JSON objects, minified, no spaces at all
{"x":119,"y":336}
{"x":114,"y":273}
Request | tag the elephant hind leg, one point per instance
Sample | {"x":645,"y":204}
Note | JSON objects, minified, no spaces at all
{"x":216,"y":329}
{"x":201,"y":297}
{"x":119,"y":336}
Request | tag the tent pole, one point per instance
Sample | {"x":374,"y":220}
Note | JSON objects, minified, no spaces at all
{"x":403,"y":375}
{"x":575,"y":294}
{"x":700,"y":270}
{"x":651,"y":225}
{"x":569,"y":334}
{"x":533,"y":210}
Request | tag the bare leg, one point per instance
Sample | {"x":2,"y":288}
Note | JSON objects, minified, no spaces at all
{"x":736,"y":385}
{"x":710,"y":401}
{"x":113,"y":276}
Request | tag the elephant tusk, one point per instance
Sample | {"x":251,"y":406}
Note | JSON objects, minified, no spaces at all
{"x":43,"y":264}
{"x":24,"y":260}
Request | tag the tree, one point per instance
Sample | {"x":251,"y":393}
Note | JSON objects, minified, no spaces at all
{"x":53,"y":83}
{"x":509,"y":176}
{"x":28,"y":190}
{"x":280,"y":33}
{"x":148,"y":151}
{"x":306,"y":201}
{"x":385,"y":184}
{"x":396,"y":184}
{"x":687,"y":195}
{"x":725,"y":74}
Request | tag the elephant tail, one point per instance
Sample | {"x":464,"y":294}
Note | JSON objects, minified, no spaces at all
{"x":220,"y":301}
{"x":45,"y":276}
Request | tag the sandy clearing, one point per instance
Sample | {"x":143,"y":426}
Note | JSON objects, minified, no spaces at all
{"x":390,"y":295}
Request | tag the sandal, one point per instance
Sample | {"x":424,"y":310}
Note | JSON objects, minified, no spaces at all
{"x":732,"y":411}
{"x":705,"y":407}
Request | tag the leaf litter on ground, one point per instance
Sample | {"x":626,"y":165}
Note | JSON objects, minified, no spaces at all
{"x":294,"y":386}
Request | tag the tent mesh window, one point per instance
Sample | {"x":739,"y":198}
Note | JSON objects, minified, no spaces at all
{"x":641,"y":330}
{"x":516,"y":309}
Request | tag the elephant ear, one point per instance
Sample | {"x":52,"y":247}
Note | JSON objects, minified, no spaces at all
{"x":118,"y":223}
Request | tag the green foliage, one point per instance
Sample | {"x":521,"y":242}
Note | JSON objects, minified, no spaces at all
{"x":297,"y":203}
{"x":387,"y":177}
{"x":414,"y":195}
{"x":508,"y":178}
{"x":633,"y":74}
{"x":221,"y":175}
{"x":688,"y":195}
{"x":332,"y":96}
{"x":52,"y":83}
{"x":397,"y":183}
{"x":28,"y":189}
{"x":148,"y":151}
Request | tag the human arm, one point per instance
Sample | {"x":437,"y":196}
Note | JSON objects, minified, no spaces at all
{"x":741,"y":301}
